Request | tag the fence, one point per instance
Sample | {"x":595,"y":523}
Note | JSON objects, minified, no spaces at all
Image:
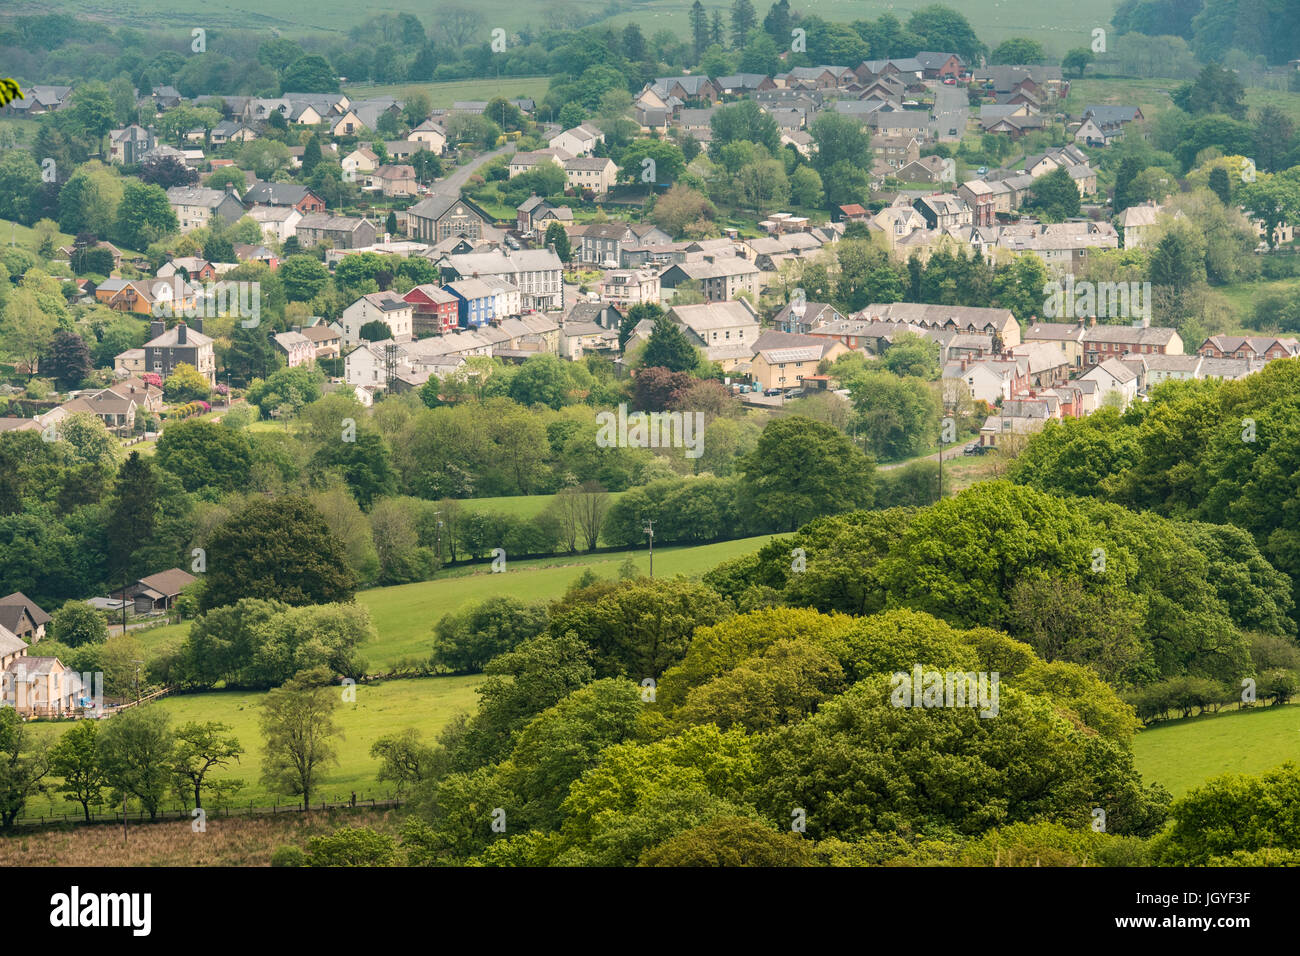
{"x":76,"y":817}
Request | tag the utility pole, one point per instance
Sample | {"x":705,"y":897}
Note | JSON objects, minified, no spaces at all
{"x":138,"y":665}
{"x":650,"y":530}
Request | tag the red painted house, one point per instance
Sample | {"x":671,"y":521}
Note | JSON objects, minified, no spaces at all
{"x":434,"y":311}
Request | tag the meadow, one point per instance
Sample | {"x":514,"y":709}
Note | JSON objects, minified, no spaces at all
{"x":443,"y":95}
{"x":1182,"y":754}
{"x":380,"y":709}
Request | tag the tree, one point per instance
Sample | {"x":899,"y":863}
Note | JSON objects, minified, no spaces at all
{"x":897,"y":417}
{"x":669,"y":348}
{"x":250,"y":355}
{"x":278,"y":549}
{"x":24,"y":763}
{"x":465,"y":641}
{"x":1076,"y":61}
{"x":699,"y":28}
{"x":144,"y":216}
{"x":839,"y":139}
{"x":1018,"y":50}
{"x":743,"y":20}
{"x":634,"y":316}
{"x":1219,"y":184}
{"x":405,"y":759}
{"x":375,"y":330}
{"x":27,"y":329}
{"x":681,"y":208}
{"x":1054,"y":196}
{"x":68,"y":360}
{"x":1215,"y":90}
{"x":186,"y":384}
{"x":204,"y":454}
{"x":364,"y":462}
{"x":557,"y":237}
{"x":665,"y":166}
{"x":167,"y":171}
{"x":133,"y":515}
{"x":730,"y":841}
{"x":75,"y":759}
{"x":200,"y":748}
{"x":806,"y":188}
{"x":297,"y":726}
{"x":304,"y":276}
{"x":92,"y":112}
{"x":20,"y":179}
{"x":744,"y":122}
{"x":310,"y":74}
{"x":135,"y":751}
{"x":77,"y":623}
{"x":802,"y":469}
{"x":541,"y":380}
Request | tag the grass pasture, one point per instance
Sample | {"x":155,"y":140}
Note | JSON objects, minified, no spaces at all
{"x":1182,"y":754}
{"x":380,"y":709}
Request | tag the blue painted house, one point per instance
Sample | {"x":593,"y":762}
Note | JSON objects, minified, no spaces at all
{"x":476,"y":302}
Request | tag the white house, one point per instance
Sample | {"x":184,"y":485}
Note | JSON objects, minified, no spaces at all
{"x":386,"y":307}
{"x":1114,"y":376}
{"x":579,"y":141}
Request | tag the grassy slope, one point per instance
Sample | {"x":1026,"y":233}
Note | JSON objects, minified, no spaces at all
{"x":380,"y":709}
{"x":1182,"y":754}
{"x":445,"y":94}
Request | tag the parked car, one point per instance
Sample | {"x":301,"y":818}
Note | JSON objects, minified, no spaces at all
{"x":982,"y":170}
{"x":973,"y":448}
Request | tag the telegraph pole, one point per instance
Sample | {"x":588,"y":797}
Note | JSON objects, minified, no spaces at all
{"x":650,"y":531}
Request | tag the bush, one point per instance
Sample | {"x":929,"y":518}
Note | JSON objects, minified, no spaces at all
{"x":77,"y":623}
{"x":289,"y":856}
{"x":465,"y":641}
{"x":353,"y":846}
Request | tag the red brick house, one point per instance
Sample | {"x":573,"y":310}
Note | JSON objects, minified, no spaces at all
{"x":434,"y":311}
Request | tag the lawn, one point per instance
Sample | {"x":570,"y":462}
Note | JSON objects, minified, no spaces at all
{"x":380,"y":709}
{"x":517,"y":506}
{"x":15,"y":233}
{"x":1182,"y":754}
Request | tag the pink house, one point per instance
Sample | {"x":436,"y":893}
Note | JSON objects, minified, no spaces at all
{"x":297,"y":348}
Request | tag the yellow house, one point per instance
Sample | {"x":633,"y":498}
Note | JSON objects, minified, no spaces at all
{"x":785,"y":359}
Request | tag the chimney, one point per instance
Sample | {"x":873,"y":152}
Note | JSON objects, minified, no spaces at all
{"x":156,"y":328}
{"x":180,"y":333}
{"x":196,"y":324}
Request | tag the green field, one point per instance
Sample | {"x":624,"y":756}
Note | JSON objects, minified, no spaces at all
{"x":1182,"y":754}
{"x":1058,"y":28}
{"x":15,"y":233}
{"x":445,"y":94}
{"x":380,"y":709}
{"x":404,"y":615}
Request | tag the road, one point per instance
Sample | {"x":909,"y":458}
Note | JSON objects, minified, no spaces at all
{"x":454,"y":182}
{"x":952,"y":453}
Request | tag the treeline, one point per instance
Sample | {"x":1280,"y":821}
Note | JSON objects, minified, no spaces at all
{"x":1217,"y":28}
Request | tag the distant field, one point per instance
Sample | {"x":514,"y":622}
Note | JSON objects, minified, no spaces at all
{"x":1058,"y":27}
{"x":404,"y":615}
{"x":1182,"y":754}
{"x":15,"y":233}
{"x":519,"y":506}
{"x":1242,"y":297}
{"x":445,"y":94}
{"x":380,"y":709}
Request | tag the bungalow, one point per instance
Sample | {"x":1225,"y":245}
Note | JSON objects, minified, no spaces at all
{"x":231,"y":131}
{"x":157,"y":592}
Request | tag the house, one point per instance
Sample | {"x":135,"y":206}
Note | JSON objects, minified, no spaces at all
{"x":591,"y":174}
{"x":117,"y":412}
{"x":327,"y":340}
{"x":476,"y":302}
{"x":141,"y":296}
{"x":231,"y":131}
{"x":442,"y":216}
{"x":896,"y":151}
{"x":535,"y":214}
{"x":1136,"y":222}
{"x":196,"y":206}
{"x":394,"y":180}
{"x":687,"y":89}
{"x":192,"y":267}
{"x":927,"y":169}
{"x":978,"y":195}
{"x":1114,"y":377}
{"x":23,"y":617}
{"x":538,"y":274}
{"x":432,"y":136}
{"x":342,"y":232}
{"x":744,"y":84}
{"x":944,"y":211}
{"x":527,"y":161}
{"x":168,"y":348}
{"x":248,"y":252}
{"x":40,"y":99}
{"x":507,"y":301}
{"x":157,"y":592}
{"x":579,"y":141}
{"x":127,"y":146}
{"x":1259,"y":347}
{"x":997,"y":322}
{"x":911,"y":123}
{"x":784,"y":359}
{"x":601,"y":243}
{"x":605,"y":315}
{"x":802,"y":317}
{"x":629,"y":287}
{"x":989,"y":380}
{"x":726,"y":331}
{"x":720,"y":277}
{"x":299,"y":197}
{"x":1104,"y":342}
{"x":937,"y":66}
{"x":295,"y":347}
{"x":1065,"y":336}
{"x":278,"y":222}
{"x":39,"y":686}
{"x":358,"y":163}
{"x":435,"y":310}
{"x":386,"y":307}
